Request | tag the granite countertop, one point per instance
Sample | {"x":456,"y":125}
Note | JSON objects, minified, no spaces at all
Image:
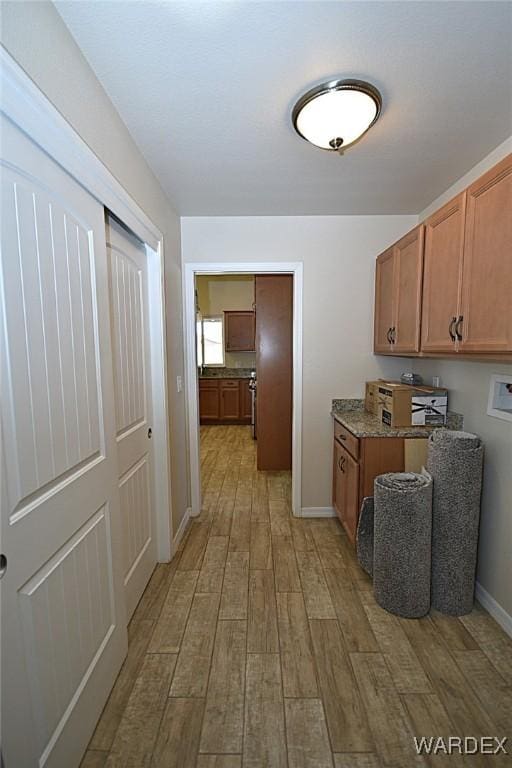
{"x":351,"y":414}
{"x":226,"y":373}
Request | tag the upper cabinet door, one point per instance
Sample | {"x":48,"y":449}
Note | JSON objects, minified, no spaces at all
{"x":405,"y":334}
{"x":384,"y":297}
{"x":486,"y":311}
{"x":239,"y":331}
{"x":444,"y":246}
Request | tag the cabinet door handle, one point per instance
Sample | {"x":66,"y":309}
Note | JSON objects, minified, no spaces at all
{"x":458,"y":327}
{"x":388,"y":336}
{"x":393,"y":335}
{"x":450,"y":328}
{"x":341,"y":463}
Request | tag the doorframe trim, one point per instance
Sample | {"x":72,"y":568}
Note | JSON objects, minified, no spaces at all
{"x":190,"y":270}
{"x":26,"y":106}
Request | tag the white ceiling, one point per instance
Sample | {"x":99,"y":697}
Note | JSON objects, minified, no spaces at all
{"x":206,"y":90}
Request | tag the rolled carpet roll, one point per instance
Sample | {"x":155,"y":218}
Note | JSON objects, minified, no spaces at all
{"x":402,"y":539}
{"x":364,"y":540}
{"x":455,"y":461}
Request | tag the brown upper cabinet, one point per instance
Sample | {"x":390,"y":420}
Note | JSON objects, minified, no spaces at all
{"x":485,"y":318}
{"x":467,"y":304}
{"x":465,"y":299}
{"x":444,"y":247}
{"x":398,"y":283}
{"x":239,"y":330}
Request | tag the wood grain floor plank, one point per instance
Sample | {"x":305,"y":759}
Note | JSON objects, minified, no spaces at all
{"x":94,"y":759}
{"x":210,"y":580}
{"x":264,"y":733}
{"x":302,"y":534}
{"x":223,"y":718}
{"x":262,"y":621}
{"x":306,"y":734}
{"x":299,"y":675}
{"x":354,"y":624}
{"x":169,"y":628}
{"x":260,"y":546}
{"x":461,"y":704}
{"x":177,"y":744}
{"x":355,"y":760}
{"x":317,"y":597}
{"x":454,"y":632}
{"x":240,"y":537}
{"x":234,"y":597}
{"x":285,"y":565}
{"x":429,"y":719}
{"x":407,"y":673}
{"x":138,"y":639}
{"x":344,"y":710}
{"x":151,"y":602}
{"x":489,"y":686}
{"x":279,"y":511}
{"x":219,"y":761}
{"x":193,"y":552}
{"x":492,"y":640}
{"x":193,"y":665}
{"x":388,"y":721}
{"x":215,"y":553}
{"x":136,"y":736}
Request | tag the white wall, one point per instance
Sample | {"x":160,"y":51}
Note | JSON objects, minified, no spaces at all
{"x":468,"y":383}
{"x":35,"y":35}
{"x":338,"y":253}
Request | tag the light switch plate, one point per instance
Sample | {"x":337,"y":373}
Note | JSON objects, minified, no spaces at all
{"x":500,"y":396}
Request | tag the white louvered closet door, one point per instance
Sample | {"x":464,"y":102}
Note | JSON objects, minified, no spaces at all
{"x":63,"y":616}
{"x":128,"y":279}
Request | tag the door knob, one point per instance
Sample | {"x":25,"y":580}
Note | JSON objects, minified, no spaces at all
{"x":3,"y":565}
{"x":150,"y":433}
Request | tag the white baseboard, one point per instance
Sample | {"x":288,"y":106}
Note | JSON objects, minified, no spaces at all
{"x":318,"y":512}
{"x":498,"y":613}
{"x":181,"y":529}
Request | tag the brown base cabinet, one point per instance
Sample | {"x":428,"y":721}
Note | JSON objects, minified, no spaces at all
{"x":224,"y":401}
{"x":356,"y":464}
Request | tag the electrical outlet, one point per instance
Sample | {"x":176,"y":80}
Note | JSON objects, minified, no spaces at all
{"x":179,"y":383}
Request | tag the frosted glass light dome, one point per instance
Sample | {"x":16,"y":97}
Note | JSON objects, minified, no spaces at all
{"x":334,"y":115}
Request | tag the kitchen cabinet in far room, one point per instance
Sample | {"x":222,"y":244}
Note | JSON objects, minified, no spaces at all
{"x":224,"y":401}
{"x":239,"y":330}
{"x":229,"y":399}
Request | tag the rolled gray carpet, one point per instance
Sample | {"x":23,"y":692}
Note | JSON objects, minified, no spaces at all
{"x":455,"y":461}
{"x":364,"y":540}
{"x":402,"y":539}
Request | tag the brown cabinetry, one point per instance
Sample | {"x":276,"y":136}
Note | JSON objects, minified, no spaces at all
{"x":208,"y":400}
{"x":229,"y":400}
{"x":224,"y":401}
{"x":398,"y":283}
{"x":444,"y":247}
{"x":356,"y":464}
{"x":239,"y":331}
{"x":485,"y":317}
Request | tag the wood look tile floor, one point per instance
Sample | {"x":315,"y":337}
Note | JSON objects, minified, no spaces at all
{"x":261,"y":644}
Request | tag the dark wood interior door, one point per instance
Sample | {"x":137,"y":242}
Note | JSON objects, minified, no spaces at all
{"x":274,"y":365}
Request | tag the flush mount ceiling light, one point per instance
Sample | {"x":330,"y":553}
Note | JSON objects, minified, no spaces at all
{"x":336,"y":114}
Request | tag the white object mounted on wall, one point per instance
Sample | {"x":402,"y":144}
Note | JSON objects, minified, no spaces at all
{"x":500,"y":396}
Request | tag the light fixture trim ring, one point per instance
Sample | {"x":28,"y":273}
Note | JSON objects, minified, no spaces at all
{"x":337,"y":85}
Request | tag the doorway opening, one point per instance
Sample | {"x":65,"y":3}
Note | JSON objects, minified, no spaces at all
{"x":222,"y":368}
